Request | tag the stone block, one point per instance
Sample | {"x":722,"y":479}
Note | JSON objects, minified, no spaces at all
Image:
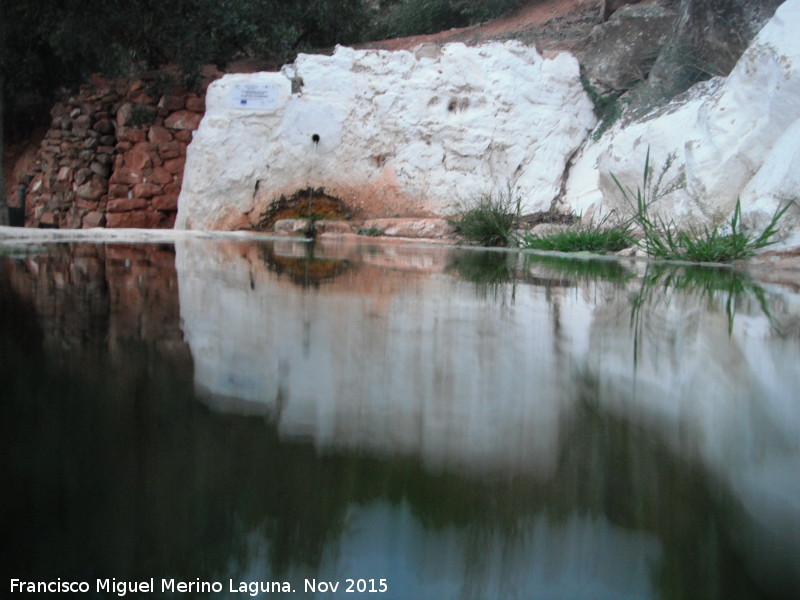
{"x":48,"y":219}
{"x":165,"y":203}
{"x":172,"y":102}
{"x":412,"y":228}
{"x":147,"y":190}
{"x":87,"y":205}
{"x":118,"y":190}
{"x":126,"y":175}
{"x":138,"y":159}
{"x":93,"y":219}
{"x":160,"y":176}
{"x":183,"y":119}
{"x":100,"y":169}
{"x":105,"y":158}
{"x":82,"y":175}
{"x":172,"y":188}
{"x":82,"y":122}
{"x":117,"y":205}
{"x":93,"y":189}
{"x":131,"y":134}
{"x":123,"y":114}
{"x":103,"y":127}
{"x":334,"y":227}
{"x":175,"y":165}
{"x":173,"y":149}
{"x":184,"y":136}
{"x":158,"y":134}
{"x":296,"y":227}
{"x":196,"y":104}
{"x":64,"y":173}
{"x":146,"y":220}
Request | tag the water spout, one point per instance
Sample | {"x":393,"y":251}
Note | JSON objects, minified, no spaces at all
{"x":315,"y":141}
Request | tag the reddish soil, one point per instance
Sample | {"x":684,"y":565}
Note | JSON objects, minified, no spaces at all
{"x":548,"y":24}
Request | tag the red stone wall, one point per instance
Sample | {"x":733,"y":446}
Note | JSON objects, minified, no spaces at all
{"x":114,"y":154}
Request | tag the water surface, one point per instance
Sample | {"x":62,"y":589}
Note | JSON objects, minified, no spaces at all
{"x":458,"y":423}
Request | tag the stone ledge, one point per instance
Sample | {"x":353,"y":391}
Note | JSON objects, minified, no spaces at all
{"x":412,"y":228}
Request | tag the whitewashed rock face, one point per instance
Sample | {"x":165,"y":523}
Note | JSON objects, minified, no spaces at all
{"x":387,"y":132}
{"x":729,"y":138}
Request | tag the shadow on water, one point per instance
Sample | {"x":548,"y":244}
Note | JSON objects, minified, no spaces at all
{"x":116,"y":469}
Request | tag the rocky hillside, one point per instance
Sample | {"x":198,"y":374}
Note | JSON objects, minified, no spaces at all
{"x":635,"y":60}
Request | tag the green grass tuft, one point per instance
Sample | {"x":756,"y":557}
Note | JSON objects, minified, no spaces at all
{"x":370,"y":231}
{"x":594,"y":239}
{"x":663,"y":240}
{"x":493,"y":221}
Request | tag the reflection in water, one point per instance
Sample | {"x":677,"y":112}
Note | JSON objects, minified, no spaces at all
{"x":707,"y":286}
{"x":462,"y":424}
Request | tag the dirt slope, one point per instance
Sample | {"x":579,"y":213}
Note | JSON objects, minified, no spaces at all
{"x":548,"y":24}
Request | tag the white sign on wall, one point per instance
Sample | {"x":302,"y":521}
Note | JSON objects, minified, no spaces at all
{"x":256,"y":96}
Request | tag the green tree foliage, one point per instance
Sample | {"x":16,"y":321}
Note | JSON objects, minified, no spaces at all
{"x":412,"y":17}
{"x":46,"y":43}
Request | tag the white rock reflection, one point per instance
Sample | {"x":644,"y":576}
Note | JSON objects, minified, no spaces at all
{"x":397,"y":358}
{"x":730,"y":400}
{"x":397,"y":363}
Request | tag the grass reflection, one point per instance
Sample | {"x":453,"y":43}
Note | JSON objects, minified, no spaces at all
{"x":715,"y":286}
{"x":578,"y":269}
{"x":485,"y":268}
{"x":491,"y":268}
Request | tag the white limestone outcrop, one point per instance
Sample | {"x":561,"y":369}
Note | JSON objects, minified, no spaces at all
{"x":725,"y":139}
{"x":387,"y":132}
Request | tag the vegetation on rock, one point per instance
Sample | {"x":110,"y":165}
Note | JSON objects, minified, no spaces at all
{"x":492,"y":221}
{"x":597,"y":239}
{"x":663,"y":239}
{"x":496,"y":221}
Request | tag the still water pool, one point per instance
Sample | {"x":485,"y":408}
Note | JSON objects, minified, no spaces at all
{"x":211,"y":419}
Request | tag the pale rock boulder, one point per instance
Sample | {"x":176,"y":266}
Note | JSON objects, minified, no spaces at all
{"x":410,"y":133}
{"x":775,"y":184}
{"x":724,"y":139}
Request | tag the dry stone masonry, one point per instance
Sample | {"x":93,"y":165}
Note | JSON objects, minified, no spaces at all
{"x":114,"y":155}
